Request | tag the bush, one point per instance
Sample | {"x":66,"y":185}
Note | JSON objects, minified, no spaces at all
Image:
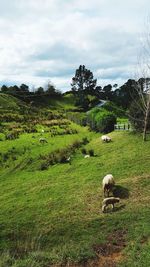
{"x":43,"y":166}
{"x":91,"y":152}
{"x":85,"y":140}
{"x":12,"y":135}
{"x":101,"y":120}
{"x":83,"y":150}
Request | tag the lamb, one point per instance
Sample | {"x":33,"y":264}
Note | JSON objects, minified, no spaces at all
{"x":105,"y":138}
{"x":108,"y":183}
{"x":109,"y":201}
{"x":43,"y":140}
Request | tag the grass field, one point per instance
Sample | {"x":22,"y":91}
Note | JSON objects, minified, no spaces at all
{"x":54,"y":216}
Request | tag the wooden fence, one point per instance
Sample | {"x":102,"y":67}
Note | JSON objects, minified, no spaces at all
{"x":122,"y":127}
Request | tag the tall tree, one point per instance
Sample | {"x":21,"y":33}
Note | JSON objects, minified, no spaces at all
{"x":108,"y":93}
{"x":83,"y":80}
{"x":83,"y":83}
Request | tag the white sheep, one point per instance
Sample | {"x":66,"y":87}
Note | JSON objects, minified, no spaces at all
{"x":105,"y":138}
{"x":87,"y":156}
{"x":42,"y":140}
{"x":109,"y":201}
{"x":108,"y":183}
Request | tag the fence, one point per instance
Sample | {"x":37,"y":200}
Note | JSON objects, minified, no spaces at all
{"x":122,"y":127}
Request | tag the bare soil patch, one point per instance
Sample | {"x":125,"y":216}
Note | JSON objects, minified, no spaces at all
{"x":108,"y":254}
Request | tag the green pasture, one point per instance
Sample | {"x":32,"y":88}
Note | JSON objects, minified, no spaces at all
{"x":54,"y":216}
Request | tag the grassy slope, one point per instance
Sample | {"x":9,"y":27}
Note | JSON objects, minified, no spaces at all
{"x":8,"y":102}
{"x":66,"y":102}
{"x":55,"y":214}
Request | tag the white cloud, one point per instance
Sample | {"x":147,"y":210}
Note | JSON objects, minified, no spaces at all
{"x":49,"y":39}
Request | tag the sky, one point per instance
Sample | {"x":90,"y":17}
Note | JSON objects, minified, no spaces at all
{"x":47,"y":40}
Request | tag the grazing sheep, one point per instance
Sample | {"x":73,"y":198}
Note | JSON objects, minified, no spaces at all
{"x":43,"y":140}
{"x":105,"y":138}
{"x":87,"y":156}
{"x":108,"y":183}
{"x":109,"y":201}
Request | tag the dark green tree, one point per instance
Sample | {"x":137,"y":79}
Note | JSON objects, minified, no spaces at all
{"x":83,"y":80}
{"x":126,"y":93}
{"x":39,"y":91}
{"x":108,"y":93}
{"x":83,"y":83}
{"x":51,"y":90}
{"x":24,"y":89}
{"x":4,"y":89}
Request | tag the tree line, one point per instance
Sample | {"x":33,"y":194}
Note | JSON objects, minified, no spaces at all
{"x":84,"y":84}
{"x":24,"y":91}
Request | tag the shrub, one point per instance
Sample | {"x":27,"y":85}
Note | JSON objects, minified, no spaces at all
{"x":5,"y":156}
{"x":91,"y":152}
{"x":43,"y":166}
{"x":101,"y":120}
{"x":12,"y":135}
{"x":75,"y":145}
{"x":85,"y":140}
{"x":83,"y":150}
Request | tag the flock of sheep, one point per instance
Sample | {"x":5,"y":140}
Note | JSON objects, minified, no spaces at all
{"x":107,"y":183}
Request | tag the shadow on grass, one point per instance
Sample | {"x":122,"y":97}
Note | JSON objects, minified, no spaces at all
{"x":121,"y":207}
{"x":116,"y":209}
{"x":121,"y":192}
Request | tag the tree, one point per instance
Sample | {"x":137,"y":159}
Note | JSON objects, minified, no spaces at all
{"x":4,"y":89}
{"x":83,"y":80}
{"x":139,"y":112}
{"x":51,"y":90}
{"x":39,"y":91}
{"x":143,"y":85}
{"x":83,"y":83}
{"x":124,"y":95}
{"x":108,"y":93}
{"x":24,"y":88}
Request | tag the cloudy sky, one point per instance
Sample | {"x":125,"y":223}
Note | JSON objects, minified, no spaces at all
{"x":42,"y":40}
